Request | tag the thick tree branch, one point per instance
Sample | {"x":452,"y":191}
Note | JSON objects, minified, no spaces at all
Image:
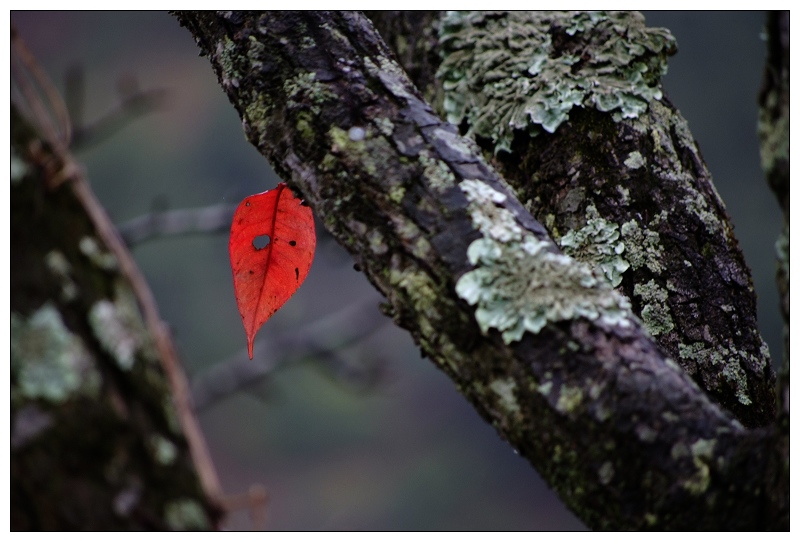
{"x":552,"y":357}
{"x":630,"y":196}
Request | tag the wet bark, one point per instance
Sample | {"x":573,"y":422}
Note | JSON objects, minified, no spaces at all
{"x":623,"y":434}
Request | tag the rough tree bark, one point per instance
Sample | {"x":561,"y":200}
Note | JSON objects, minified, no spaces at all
{"x":97,"y":442}
{"x":563,"y":366}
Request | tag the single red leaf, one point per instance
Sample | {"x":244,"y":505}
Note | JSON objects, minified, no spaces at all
{"x":265,"y":276}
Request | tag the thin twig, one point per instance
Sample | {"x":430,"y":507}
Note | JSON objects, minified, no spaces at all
{"x":211,"y":219}
{"x":320,"y":340}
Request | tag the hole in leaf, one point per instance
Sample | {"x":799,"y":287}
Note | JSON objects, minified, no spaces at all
{"x":296,"y":274}
{"x":247,"y":203}
{"x":260,"y":241}
{"x":292,"y":243}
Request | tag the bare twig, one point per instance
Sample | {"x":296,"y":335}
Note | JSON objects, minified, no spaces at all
{"x":211,"y":219}
{"x":321,"y":341}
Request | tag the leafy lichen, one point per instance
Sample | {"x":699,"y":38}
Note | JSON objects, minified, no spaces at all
{"x":643,"y":246}
{"x":655,"y":312}
{"x":502,"y":71}
{"x":597,"y":244}
{"x":519,"y":283}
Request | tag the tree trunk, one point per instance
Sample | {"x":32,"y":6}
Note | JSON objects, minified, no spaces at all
{"x":540,"y":343}
{"x":96,"y":441}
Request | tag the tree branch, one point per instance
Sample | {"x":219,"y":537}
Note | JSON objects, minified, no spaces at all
{"x":552,"y":356}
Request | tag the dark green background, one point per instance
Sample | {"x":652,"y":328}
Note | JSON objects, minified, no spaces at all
{"x":409,"y":453}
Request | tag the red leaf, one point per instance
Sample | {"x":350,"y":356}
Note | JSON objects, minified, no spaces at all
{"x":265,"y":278}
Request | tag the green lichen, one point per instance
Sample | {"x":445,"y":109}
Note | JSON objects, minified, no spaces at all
{"x":163,"y":450}
{"x":643,"y":247}
{"x":697,"y":204}
{"x":185,"y":515}
{"x":655,"y":312}
{"x":304,"y":91}
{"x":396,"y":193}
{"x":634,"y":160}
{"x":598,"y":245}
{"x":99,"y":257}
{"x":226,"y":56}
{"x":701,"y":453}
{"x":119,"y":328}
{"x":58,"y":265}
{"x":519,"y":284}
{"x":731,"y":360}
{"x":605,"y":473}
{"x":49,"y":361}
{"x":19,"y":167}
{"x":505,"y":391}
{"x":782,"y":250}
{"x":437,"y":173}
{"x":385,"y":126}
{"x":569,"y":398}
{"x":501,"y":71}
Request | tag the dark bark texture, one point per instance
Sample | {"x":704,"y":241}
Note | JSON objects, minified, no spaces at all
{"x":95,"y":441}
{"x":552,"y":356}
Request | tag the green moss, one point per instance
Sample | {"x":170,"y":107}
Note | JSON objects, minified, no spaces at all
{"x":519,"y":284}
{"x":655,"y":312}
{"x":47,"y":359}
{"x":501,"y":71}
{"x":598,"y":245}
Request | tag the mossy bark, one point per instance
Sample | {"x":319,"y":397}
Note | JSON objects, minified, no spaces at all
{"x":95,"y":442}
{"x":621,"y":432}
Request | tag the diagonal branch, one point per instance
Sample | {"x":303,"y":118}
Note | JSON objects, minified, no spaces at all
{"x":552,"y":356}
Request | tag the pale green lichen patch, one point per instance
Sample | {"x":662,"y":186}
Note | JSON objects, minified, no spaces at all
{"x":634,"y":160}
{"x":436,"y":172}
{"x":502,"y":72}
{"x":305,"y":91}
{"x":643,"y":247}
{"x":597,"y":244}
{"x":731,"y":360}
{"x":99,"y":257}
{"x":185,"y":515}
{"x":163,"y":450}
{"x":569,"y":398}
{"x":505,"y":391}
{"x":655,"y":312}
{"x":519,"y":284}
{"x":606,"y":472}
{"x":118,"y":326}
{"x":696,"y":203}
{"x":50,"y":362}
{"x":58,"y":265}
{"x":19,"y":167}
{"x":701,"y":453}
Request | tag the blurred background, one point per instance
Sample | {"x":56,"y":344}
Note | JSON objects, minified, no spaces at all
{"x":338,"y":417}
